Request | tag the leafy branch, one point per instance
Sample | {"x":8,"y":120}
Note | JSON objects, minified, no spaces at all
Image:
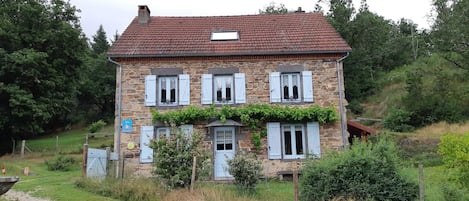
{"x":251,"y":114}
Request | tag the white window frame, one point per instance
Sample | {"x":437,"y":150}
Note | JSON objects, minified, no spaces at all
{"x":293,"y":140}
{"x":165,"y":130}
{"x":222,"y":82}
{"x":287,"y":79}
{"x":165,"y":81}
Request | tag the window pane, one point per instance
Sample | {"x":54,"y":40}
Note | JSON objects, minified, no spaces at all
{"x":228,"y":93}
{"x":219,"y":95}
{"x":287,"y":142}
{"x":173,"y":95}
{"x":295,"y":92}
{"x":229,"y":146}
{"x":299,"y":142}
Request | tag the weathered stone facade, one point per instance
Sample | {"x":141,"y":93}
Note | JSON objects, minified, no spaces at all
{"x":256,"y":69}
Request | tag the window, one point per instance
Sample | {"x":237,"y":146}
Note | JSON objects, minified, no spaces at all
{"x":162,"y":132}
{"x":223,"y":89}
{"x":293,"y":141}
{"x":167,"y":90}
{"x":224,"y":36}
{"x":291,"y":87}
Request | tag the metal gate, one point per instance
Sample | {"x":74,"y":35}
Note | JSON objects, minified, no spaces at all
{"x":96,"y":163}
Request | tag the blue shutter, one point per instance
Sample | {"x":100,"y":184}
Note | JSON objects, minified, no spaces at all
{"x":150,"y":90}
{"x":146,"y":135}
{"x":307,"y":86}
{"x":184,"y":89}
{"x":314,"y":142}
{"x":207,"y":88}
{"x":275,"y":92}
{"x":240,"y":88}
{"x":273,"y":140}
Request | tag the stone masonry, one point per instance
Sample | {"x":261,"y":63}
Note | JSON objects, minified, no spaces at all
{"x":256,"y":69}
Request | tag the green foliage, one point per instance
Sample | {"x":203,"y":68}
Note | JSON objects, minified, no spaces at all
{"x":256,"y":141}
{"x":140,"y":189}
{"x":96,"y":126}
{"x":246,"y":170}
{"x":449,"y":35}
{"x":398,"y":120}
{"x":251,"y":114}
{"x":274,"y":9}
{"x":60,"y":163}
{"x":355,"y":107}
{"x":41,"y":52}
{"x":455,"y":152}
{"x":452,"y":192}
{"x":173,"y":158}
{"x":364,"y":172}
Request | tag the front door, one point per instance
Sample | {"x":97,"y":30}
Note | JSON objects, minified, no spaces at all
{"x":224,"y":150}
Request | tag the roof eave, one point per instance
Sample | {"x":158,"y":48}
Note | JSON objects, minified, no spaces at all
{"x":229,"y":54}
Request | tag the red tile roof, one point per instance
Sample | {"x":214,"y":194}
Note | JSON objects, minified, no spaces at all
{"x":296,"y":33}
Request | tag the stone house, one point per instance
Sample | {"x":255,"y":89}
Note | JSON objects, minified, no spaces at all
{"x":169,"y":63}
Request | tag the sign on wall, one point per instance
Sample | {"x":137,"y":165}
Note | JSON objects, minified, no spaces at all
{"x":127,"y":125}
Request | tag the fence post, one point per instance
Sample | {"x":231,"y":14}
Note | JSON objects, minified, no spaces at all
{"x":23,"y":143}
{"x":295,"y":179}
{"x":421,"y":183}
{"x":85,"y":160}
{"x":14,"y":146}
{"x":194,"y":163}
{"x":108,"y":159}
{"x":57,"y":144}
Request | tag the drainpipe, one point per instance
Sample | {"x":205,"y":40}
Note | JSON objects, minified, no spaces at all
{"x":341,"y":101}
{"x":119,"y":118}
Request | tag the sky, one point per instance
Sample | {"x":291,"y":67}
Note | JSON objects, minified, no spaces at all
{"x":115,"y":15}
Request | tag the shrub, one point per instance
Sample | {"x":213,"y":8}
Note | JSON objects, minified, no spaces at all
{"x":455,"y":152}
{"x":398,"y":120}
{"x":246,"y":170}
{"x":60,"y":163}
{"x":96,"y":126}
{"x":363,"y":172}
{"x":173,"y":158}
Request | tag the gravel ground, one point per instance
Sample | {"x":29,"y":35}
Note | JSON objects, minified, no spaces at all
{"x":21,"y":196}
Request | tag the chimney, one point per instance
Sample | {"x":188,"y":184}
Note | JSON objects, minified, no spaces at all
{"x":299,"y":10}
{"x":143,"y":14}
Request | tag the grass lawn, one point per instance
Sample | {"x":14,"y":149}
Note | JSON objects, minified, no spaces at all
{"x":55,"y":185}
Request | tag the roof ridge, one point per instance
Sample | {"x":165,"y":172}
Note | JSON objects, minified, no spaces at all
{"x":245,"y":15}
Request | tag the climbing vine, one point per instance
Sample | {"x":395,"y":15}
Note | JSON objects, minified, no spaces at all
{"x":251,"y":114}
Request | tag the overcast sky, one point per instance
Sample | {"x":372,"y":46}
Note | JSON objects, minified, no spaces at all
{"x":115,"y":15}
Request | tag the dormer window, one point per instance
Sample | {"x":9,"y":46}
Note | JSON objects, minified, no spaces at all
{"x":224,"y":36}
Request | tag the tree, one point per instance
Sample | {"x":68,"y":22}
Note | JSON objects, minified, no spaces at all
{"x":272,"y":8}
{"x":97,"y":89}
{"x":41,"y":51}
{"x":450,"y":33}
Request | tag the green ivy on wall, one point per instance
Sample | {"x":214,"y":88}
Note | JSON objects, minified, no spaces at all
{"x":251,"y":114}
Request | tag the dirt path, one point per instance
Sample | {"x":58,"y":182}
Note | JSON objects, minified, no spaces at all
{"x":21,"y":196}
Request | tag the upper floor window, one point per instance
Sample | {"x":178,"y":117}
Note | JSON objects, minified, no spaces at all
{"x":167,"y":90}
{"x":223,"y":89}
{"x":291,"y":87}
{"x":223,"y":92}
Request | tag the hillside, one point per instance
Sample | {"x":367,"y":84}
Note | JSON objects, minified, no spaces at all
{"x":440,"y":92}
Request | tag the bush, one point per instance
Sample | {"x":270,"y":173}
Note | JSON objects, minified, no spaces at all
{"x":246,"y":170}
{"x":60,"y":163}
{"x":173,"y":158}
{"x":363,"y":172}
{"x":398,"y":120}
{"x":455,"y":152}
{"x":96,"y":126}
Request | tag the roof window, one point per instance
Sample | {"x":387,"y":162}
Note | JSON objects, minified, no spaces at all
{"x":224,"y":36}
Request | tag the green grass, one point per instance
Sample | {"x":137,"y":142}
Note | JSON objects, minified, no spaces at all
{"x":55,"y":185}
{"x":70,"y":142}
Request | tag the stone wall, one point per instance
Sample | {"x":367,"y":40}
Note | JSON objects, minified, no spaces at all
{"x":257,"y":71}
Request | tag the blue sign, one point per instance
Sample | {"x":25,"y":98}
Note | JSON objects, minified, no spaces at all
{"x":127,"y":126}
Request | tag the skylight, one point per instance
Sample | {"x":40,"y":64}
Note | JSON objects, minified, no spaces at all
{"x":225,"y":35}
